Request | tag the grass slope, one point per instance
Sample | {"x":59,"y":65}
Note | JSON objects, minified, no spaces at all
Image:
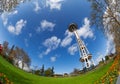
{"x":20,"y":77}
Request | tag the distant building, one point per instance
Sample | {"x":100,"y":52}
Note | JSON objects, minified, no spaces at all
{"x":25,"y":68}
{"x":66,"y":75}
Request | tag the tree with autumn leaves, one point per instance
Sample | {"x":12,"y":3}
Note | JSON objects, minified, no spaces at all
{"x":15,"y":55}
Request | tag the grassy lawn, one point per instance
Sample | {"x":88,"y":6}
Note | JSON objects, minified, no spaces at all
{"x":18,"y":76}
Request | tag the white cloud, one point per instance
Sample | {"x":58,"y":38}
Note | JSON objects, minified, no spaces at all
{"x":110,"y":44}
{"x":46,"y":25}
{"x":17,"y":28}
{"x":14,"y":12}
{"x":53,"y":58}
{"x":37,"y":7}
{"x":47,"y":51}
{"x":99,"y":58}
{"x":67,"y":40}
{"x":73,"y":49}
{"x":11,"y":28}
{"x":54,"y":4}
{"x":51,"y":44}
{"x":84,"y":32}
{"x":4,"y":16}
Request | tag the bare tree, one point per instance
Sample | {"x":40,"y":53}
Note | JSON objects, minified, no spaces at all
{"x":18,"y":56}
{"x":25,"y":58}
{"x":105,"y":15}
{"x":21,"y":56}
{"x":11,"y":55}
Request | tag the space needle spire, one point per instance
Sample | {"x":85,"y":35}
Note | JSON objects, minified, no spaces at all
{"x":85,"y":56}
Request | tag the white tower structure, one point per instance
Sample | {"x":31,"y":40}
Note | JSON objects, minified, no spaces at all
{"x":85,"y":57}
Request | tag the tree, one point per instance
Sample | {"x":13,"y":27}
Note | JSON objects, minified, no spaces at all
{"x":52,"y":71}
{"x":25,"y":58}
{"x":106,"y":57}
{"x":102,"y":60}
{"x":75,"y":72}
{"x":42,"y":70}
{"x":48,"y":72}
{"x":5,"y":50}
{"x":11,"y":55}
{"x":9,"y":5}
{"x":37,"y":72}
{"x":22,"y":56}
{"x":11,"y":50}
{"x":17,"y":56}
{"x":105,"y":15}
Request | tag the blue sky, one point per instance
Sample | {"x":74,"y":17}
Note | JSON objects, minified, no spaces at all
{"x":40,"y":28}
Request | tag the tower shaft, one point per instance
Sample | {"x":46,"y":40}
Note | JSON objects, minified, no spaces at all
{"x":84,"y":51}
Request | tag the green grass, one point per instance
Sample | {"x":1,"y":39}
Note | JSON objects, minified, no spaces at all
{"x":18,"y":76}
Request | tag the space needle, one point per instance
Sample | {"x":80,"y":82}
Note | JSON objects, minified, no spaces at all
{"x":85,"y":56}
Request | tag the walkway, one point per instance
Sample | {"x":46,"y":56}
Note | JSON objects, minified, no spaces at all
{"x":118,"y":80}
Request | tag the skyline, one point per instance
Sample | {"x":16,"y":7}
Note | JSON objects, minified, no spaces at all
{"x":41,"y":29}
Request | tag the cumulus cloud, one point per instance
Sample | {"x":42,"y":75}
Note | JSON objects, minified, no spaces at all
{"x":4,"y":16}
{"x":67,"y":40}
{"x":51,"y":44}
{"x":73,"y":49}
{"x":53,"y":58}
{"x":37,"y":7}
{"x":84,"y":31}
{"x":46,"y":25}
{"x":47,"y":51}
{"x":99,"y":58}
{"x":16,"y":30}
{"x":54,"y":4}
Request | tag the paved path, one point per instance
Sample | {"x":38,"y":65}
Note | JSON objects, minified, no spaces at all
{"x":118,"y":80}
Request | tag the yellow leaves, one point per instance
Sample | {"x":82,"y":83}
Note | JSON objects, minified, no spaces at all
{"x":4,"y":79}
{"x":112,"y":73}
{"x":119,"y":72}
